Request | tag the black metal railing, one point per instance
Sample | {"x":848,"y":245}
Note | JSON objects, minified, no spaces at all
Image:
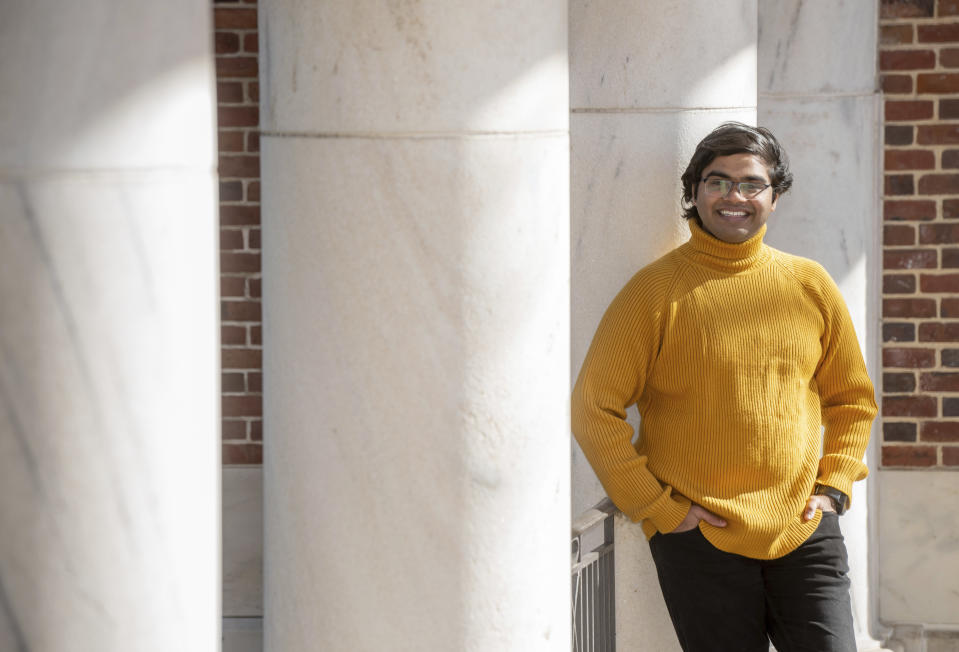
{"x":593,"y":600}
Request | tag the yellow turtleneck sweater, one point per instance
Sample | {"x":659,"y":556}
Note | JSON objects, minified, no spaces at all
{"x":737,"y":355}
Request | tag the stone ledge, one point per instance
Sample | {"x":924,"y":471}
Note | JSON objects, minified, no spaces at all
{"x":922,"y":638}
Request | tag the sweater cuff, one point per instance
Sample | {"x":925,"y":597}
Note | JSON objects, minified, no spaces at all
{"x":839,"y":472}
{"x":666,"y":512}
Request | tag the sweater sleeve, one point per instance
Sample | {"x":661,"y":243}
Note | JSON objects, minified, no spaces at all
{"x":846,"y":393}
{"x":612,"y":378}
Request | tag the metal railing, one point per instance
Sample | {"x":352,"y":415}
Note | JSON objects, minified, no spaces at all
{"x":593,"y":600}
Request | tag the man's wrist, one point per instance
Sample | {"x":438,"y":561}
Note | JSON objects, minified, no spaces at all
{"x":839,"y":500}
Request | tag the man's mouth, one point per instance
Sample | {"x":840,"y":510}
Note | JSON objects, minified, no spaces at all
{"x":733,"y":214}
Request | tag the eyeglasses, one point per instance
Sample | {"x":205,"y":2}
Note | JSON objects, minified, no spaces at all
{"x":718,"y":187}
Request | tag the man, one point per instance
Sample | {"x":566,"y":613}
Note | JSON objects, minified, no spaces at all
{"x":737,"y":355}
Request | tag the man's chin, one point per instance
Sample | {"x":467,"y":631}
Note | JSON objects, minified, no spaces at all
{"x":731,"y":235}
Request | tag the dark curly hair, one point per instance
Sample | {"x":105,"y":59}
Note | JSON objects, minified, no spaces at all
{"x":735,"y":138}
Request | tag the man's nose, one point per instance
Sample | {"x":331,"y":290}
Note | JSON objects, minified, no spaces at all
{"x":735,"y":189}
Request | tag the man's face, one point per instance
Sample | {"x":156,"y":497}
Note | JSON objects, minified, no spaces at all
{"x":735,"y":218}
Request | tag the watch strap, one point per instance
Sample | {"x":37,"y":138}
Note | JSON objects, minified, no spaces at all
{"x":839,"y":499}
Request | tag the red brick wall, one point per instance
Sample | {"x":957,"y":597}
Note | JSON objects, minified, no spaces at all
{"x":237,"y":88}
{"x":919,"y":69}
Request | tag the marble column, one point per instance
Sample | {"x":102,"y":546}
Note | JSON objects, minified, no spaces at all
{"x":416,"y":246}
{"x":817,"y":72}
{"x":108,"y":328}
{"x":647,"y":82}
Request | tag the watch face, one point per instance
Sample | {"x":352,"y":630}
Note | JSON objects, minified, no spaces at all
{"x":838,"y":501}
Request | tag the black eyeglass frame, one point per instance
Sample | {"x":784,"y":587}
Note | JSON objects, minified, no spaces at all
{"x":738,"y":185}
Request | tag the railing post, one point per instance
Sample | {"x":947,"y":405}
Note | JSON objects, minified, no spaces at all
{"x":593,"y":577}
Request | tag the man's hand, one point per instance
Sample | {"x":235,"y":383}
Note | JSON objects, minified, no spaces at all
{"x":696,"y":514}
{"x":817,"y":502}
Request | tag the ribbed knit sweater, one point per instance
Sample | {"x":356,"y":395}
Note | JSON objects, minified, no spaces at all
{"x":750,"y":385}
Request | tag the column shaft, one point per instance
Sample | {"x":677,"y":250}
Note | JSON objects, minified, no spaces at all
{"x":416,"y":247}
{"x":108,"y":328}
{"x":817,"y":72}
{"x":648,"y":81}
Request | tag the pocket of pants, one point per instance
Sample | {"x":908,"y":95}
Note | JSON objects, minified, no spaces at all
{"x":830,"y":520}
{"x":829,"y":529}
{"x":695,"y":530}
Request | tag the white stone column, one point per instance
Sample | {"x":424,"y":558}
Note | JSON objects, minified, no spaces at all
{"x":817,"y":72}
{"x":648,"y":81}
{"x":109,"y":443}
{"x":416,"y":247}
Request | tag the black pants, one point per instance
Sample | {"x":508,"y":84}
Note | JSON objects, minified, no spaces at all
{"x":721,"y":602}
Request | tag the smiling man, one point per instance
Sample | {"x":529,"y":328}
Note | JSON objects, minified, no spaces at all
{"x":755,"y":413}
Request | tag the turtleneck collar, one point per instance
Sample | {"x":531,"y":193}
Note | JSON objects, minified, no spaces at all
{"x":705,"y":249}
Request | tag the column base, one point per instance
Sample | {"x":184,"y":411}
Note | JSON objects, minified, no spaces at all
{"x":920,"y":638}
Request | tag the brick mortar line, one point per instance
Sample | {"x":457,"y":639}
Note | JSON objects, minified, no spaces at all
{"x":915,"y":392}
{"x":819,"y":95}
{"x":920,"y":97}
{"x":922,"y":245}
{"x":937,"y":46}
{"x":917,"y":20}
{"x":912,"y":47}
{"x":935,"y":149}
{"x":934,"y":121}
{"x":938,"y":345}
{"x":919,"y":197}
{"x":933,"y":146}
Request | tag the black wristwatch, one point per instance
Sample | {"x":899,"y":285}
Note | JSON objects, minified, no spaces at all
{"x":839,"y":499}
